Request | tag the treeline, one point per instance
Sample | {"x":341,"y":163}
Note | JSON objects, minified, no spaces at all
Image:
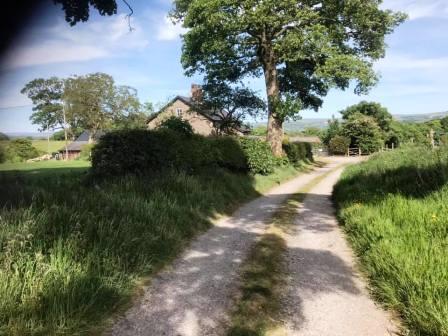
{"x":92,"y":102}
{"x":370,"y":127}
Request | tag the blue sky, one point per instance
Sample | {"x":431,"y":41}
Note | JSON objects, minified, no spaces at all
{"x":413,"y":74}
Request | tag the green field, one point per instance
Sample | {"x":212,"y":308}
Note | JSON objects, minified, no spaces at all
{"x":54,"y":146}
{"x":74,"y":250}
{"x":394,"y":209}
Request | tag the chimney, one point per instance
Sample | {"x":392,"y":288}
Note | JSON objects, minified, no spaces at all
{"x":196,"y":93}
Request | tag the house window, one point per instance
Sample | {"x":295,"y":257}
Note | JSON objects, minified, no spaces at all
{"x":179,"y":112}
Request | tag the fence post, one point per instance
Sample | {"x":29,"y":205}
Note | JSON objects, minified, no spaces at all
{"x":360,"y":151}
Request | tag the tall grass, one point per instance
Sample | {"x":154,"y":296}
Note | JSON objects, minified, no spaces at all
{"x":72,"y":253}
{"x":394,"y":208}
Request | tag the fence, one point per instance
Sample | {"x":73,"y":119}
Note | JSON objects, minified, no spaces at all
{"x":354,"y":152}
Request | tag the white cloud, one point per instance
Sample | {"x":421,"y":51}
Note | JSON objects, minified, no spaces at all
{"x":404,"y":62}
{"x":168,"y":31}
{"x":417,"y":9}
{"x":109,"y":37}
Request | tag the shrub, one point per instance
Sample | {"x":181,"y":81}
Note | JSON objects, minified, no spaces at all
{"x":364,"y":133}
{"x":259,"y":156}
{"x":86,"y":152}
{"x":298,"y":152}
{"x":339,"y":145}
{"x":3,"y":137}
{"x":2,"y":154}
{"x":177,"y":125}
{"x":229,"y":154}
{"x":136,"y":151}
{"x":21,"y":150}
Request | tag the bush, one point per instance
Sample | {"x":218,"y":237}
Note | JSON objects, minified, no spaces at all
{"x":86,"y":152}
{"x":259,"y":156}
{"x":339,"y":145}
{"x":177,"y":125}
{"x":21,"y":150}
{"x":143,"y":152}
{"x":3,"y":137}
{"x":298,"y":152}
{"x":2,"y":154}
{"x":229,"y":154}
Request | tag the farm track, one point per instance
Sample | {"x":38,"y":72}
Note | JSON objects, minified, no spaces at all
{"x":194,"y":295}
{"x":325,"y":295}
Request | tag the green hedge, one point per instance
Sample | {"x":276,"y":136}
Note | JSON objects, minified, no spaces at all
{"x":298,"y":152}
{"x":143,"y":152}
{"x":259,"y":156}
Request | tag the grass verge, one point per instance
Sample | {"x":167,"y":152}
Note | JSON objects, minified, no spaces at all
{"x":394,"y":209}
{"x":73,"y":253}
{"x":257,"y":311}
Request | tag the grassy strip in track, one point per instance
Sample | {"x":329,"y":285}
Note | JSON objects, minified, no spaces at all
{"x":263,"y":273}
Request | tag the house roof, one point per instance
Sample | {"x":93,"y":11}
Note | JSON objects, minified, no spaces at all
{"x":187,"y":101}
{"x":82,"y":140}
{"x":310,"y":139}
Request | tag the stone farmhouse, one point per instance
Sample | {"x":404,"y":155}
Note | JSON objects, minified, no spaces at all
{"x":187,"y":108}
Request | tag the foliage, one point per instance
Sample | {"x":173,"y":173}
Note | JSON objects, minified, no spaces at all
{"x":178,"y":125}
{"x":312,"y":131}
{"x":363,"y":132}
{"x":46,"y":95}
{"x":444,"y":123}
{"x":298,"y":152}
{"x":303,"y":51}
{"x":95,"y":103}
{"x":259,"y":156}
{"x":229,"y":154}
{"x":2,"y":154}
{"x":20,"y":150}
{"x":77,"y":11}
{"x":259,"y":131}
{"x":339,"y":145}
{"x":3,"y":137}
{"x":230,"y":105}
{"x":86,"y":152}
{"x":394,"y":211}
{"x":379,"y":113}
{"x":333,"y":129}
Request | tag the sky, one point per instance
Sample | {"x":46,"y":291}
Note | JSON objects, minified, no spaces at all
{"x":413,"y":75}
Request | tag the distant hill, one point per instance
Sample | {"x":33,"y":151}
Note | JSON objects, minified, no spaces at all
{"x":420,"y":117}
{"x":294,"y":126}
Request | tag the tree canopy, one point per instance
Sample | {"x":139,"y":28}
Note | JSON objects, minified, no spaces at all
{"x":230,"y":104}
{"x":363,"y":132}
{"x":79,"y":10}
{"x":371,"y":109}
{"x":46,"y":95}
{"x":95,"y":103}
{"x":303,"y":48}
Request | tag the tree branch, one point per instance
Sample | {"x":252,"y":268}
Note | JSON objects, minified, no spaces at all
{"x":128,"y":16}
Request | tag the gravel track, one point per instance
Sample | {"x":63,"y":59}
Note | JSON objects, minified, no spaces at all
{"x":325,"y":295}
{"x":193,"y":296}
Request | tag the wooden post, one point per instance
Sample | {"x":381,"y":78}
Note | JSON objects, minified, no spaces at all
{"x":360,"y":151}
{"x":431,"y":138}
{"x":65,"y":132}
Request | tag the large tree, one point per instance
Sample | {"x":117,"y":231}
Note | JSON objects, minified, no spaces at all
{"x":371,"y":109}
{"x":303,"y":48}
{"x":95,"y":103}
{"x":46,"y":95}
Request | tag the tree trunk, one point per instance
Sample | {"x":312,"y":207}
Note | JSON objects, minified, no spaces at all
{"x":275,"y":124}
